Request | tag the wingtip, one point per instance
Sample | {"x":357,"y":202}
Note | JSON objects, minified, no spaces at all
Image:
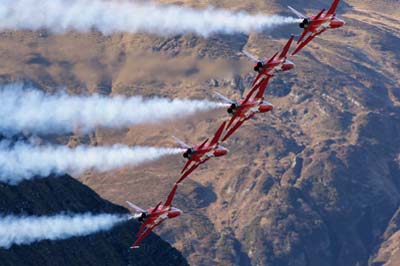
{"x":223,"y":125}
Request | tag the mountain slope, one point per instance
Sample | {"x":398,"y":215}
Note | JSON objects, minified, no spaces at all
{"x":55,"y":195}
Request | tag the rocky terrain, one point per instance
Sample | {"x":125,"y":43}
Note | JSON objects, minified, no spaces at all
{"x":315,"y":182}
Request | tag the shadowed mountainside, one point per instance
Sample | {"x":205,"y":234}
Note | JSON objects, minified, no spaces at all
{"x":56,"y":195}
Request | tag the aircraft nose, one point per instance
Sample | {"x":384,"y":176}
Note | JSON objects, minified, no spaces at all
{"x":337,"y":23}
{"x":288,"y":65}
{"x":178,"y":211}
{"x":270,"y":105}
{"x":221,"y":151}
{"x":174,"y":212}
{"x":225,"y":150}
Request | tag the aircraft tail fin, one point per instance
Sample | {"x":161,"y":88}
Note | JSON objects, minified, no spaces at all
{"x":181,"y":143}
{"x":136,"y":208}
{"x":251,"y":57}
{"x":297,"y":13}
{"x":222,"y":97}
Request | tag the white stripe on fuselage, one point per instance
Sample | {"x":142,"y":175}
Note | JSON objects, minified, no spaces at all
{"x":161,"y":218}
{"x":324,"y":26}
{"x":207,"y":155}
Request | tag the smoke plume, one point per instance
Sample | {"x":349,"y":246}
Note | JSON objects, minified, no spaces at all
{"x":32,"y":110}
{"x":23,"y":161}
{"x":129,"y":16}
{"x":20,"y":230}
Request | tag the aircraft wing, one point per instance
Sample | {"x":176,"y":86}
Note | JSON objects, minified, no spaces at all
{"x":287,"y":47}
{"x":233,"y":118}
{"x":303,"y":35}
{"x":252,"y":90}
{"x":136,"y":208}
{"x":262,"y":87}
{"x":142,"y":236}
{"x":272,"y":58}
{"x":186,"y":165}
{"x":218,"y":134}
{"x":257,"y":78}
{"x":141,"y":229}
{"x":188,"y":172}
{"x":203,"y":144}
{"x":307,"y":41}
{"x":332,"y":9}
{"x":297,"y":13}
{"x":319,"y":14}
{"x":171,"y":196}
{"x":234,"y":128}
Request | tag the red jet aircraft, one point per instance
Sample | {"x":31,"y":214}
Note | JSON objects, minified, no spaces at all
{"x":247,"y":108}
{"x":274,"y":65}
{"x":154,"y":216}
{"x":201,"y":153}
{"x":316,"y":25}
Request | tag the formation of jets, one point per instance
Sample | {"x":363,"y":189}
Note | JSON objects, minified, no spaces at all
{"x":240,"y":112}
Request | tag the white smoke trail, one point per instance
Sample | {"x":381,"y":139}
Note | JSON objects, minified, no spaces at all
{"x":129,"y":16}
{"x":18,"y":230}
{"x":23,"y":161}
{"x":37,"y":112}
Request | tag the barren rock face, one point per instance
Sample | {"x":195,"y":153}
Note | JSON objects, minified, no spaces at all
{"x":315,"y":182}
